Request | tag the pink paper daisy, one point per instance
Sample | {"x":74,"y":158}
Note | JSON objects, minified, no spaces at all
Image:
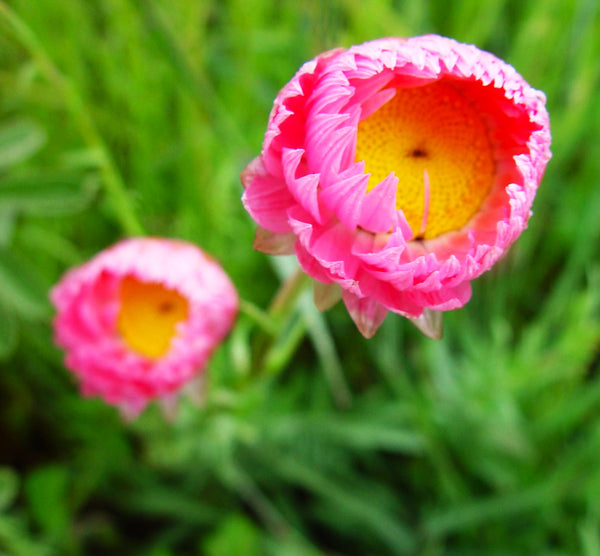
{"x":141,"y":319}
{"x":398,"y":171}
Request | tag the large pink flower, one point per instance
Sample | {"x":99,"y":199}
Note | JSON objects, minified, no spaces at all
{"x":399,"y":170}
{"x":141,"y":319}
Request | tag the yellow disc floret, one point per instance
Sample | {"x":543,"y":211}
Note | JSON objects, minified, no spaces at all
{"x":437,"y":145}
{"x":148,"y":315}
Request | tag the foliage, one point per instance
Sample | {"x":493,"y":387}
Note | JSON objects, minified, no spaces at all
{"x":116,"y":112}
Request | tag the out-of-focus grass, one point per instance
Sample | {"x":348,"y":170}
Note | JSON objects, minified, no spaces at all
{"x":484,"y":443}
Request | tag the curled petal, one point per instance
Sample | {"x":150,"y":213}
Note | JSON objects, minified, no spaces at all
{"x":345,"y":198}
{"x":266,"y":197}
{"x":378,"y":210}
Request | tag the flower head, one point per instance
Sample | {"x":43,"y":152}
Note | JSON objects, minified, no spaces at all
{"x":141,"y":319}
{"x":398,"y":171}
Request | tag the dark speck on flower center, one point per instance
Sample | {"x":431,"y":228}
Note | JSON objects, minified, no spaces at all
{"x":166,"y":307}
{"x":418,"y":153}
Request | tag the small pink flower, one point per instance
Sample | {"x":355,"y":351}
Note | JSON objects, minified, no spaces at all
{"x":398,"y":171}
{"x":141,"y":319}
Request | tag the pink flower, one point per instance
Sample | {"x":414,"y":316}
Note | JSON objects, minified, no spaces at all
{"x":398,"y":171}
{"x":141,"y":319}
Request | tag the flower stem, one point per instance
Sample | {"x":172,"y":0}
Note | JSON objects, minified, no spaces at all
{"x":112,"y":180}
{"x":288,"y":294}
{"x":259,"y":317}
{"x":279,"y":312}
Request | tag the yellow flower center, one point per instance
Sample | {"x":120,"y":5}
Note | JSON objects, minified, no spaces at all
{"x":437,"y":145}
{"x":148,"y":315}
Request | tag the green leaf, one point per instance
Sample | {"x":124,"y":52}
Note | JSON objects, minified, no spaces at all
{"x":15,"y":539}
{"x":47,"y":492}
{"x":8,"y":221}
{"x":348,"y":501}
{"x":9,"y":486}
{"x":47,"y":194}
{"x":237,"y":535}
{"x":8,"y":332}
{"x":19,"y":140}
{"x":20,"y":287}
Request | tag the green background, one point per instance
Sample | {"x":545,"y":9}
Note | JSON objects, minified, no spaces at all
{"x":486,"y":442}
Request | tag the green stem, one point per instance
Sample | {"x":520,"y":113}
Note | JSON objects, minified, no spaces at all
{"x":259,"y":317}
{"x":280,"y":354}
{"x":112,"y":180}
{"x":288,"y":294}
{"x":279,"y":312}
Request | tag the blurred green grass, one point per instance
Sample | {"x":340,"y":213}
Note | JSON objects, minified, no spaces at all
{"x":484,"y":443}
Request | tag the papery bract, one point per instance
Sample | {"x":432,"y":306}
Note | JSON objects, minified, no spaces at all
{"x":399,"y":170}
{"x":141,"y":319}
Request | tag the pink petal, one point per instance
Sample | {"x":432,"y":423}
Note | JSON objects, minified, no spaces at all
{"x":378,"y":212}
{"x":332,"y":160}
{"x":266,"y":198}
{"x":304,"y":188}
{"x":376,"y":101}
{"x":345,"y":198}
